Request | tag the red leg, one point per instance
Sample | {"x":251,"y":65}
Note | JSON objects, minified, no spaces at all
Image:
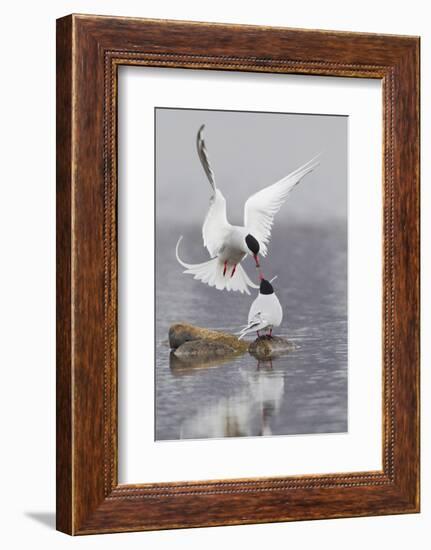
{"x":225,"y":267}
{"x":233,"y":271}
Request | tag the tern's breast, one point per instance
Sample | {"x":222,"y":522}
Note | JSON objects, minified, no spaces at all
{"x":234,"y":247}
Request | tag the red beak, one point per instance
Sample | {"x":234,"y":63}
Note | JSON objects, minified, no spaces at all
{"x":256,"y":259}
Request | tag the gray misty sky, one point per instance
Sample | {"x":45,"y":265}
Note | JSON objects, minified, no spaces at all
{"x":249,"y":151}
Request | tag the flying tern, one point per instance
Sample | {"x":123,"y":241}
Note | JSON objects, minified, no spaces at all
{"x":229,"y":244}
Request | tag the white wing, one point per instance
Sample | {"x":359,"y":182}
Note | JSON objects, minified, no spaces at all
{"x":260,"y":208}
{"x":215,"y":226}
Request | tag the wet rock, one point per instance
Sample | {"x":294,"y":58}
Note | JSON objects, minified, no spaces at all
{"x":266,"y":347}
{"x":207,"y":351}
{"x":203,"y":348}
{"x":206,"y":342}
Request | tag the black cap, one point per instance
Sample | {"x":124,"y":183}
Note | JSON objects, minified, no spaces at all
{"x":266,"y":287}
{"x":252,"y":244}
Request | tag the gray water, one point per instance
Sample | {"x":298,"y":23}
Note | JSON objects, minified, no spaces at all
{"x":303,"y":392}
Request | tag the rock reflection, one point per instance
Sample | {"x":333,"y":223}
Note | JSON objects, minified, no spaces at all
{"x":246,"y":412}
{"x":181,"y":366}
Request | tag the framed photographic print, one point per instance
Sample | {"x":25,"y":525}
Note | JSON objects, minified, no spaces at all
{"x":237,"y":274}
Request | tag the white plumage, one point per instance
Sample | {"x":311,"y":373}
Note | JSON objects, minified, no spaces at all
{"x":265,"y":312}
{"x":260,"y":208}
{"x":211,"y":273}
{"x":229,"y":244}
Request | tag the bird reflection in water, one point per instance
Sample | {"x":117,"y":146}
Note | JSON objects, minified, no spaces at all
{"x":245,"y":413}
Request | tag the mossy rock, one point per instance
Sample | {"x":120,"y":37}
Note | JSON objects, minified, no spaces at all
{"x":214,"y":341}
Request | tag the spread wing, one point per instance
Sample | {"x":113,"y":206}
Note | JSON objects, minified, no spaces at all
{"x":215,"y":226}
{"x":260,"y":208}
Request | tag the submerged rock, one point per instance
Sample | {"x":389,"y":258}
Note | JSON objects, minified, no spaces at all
{"x":204,"y":349}
{"x":186,"y":364}
{"x":267,"y":347}
{"x":206,"y":341}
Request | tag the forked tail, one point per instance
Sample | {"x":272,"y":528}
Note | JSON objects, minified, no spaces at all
{"x":255,"y":324}
{"x":211,"y":273}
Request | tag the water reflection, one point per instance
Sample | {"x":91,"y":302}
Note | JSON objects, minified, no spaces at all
{"x":246,"y":412}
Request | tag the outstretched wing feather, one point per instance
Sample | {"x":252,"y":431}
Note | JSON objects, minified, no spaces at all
{"x":203,"y":156}
{"x":260,"y":208}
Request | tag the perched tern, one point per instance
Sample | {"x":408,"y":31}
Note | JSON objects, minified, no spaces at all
{"x":229,"y":244}
{"x":265,"y":312}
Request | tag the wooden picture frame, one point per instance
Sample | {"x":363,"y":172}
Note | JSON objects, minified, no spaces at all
{"x":89,"y":52}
